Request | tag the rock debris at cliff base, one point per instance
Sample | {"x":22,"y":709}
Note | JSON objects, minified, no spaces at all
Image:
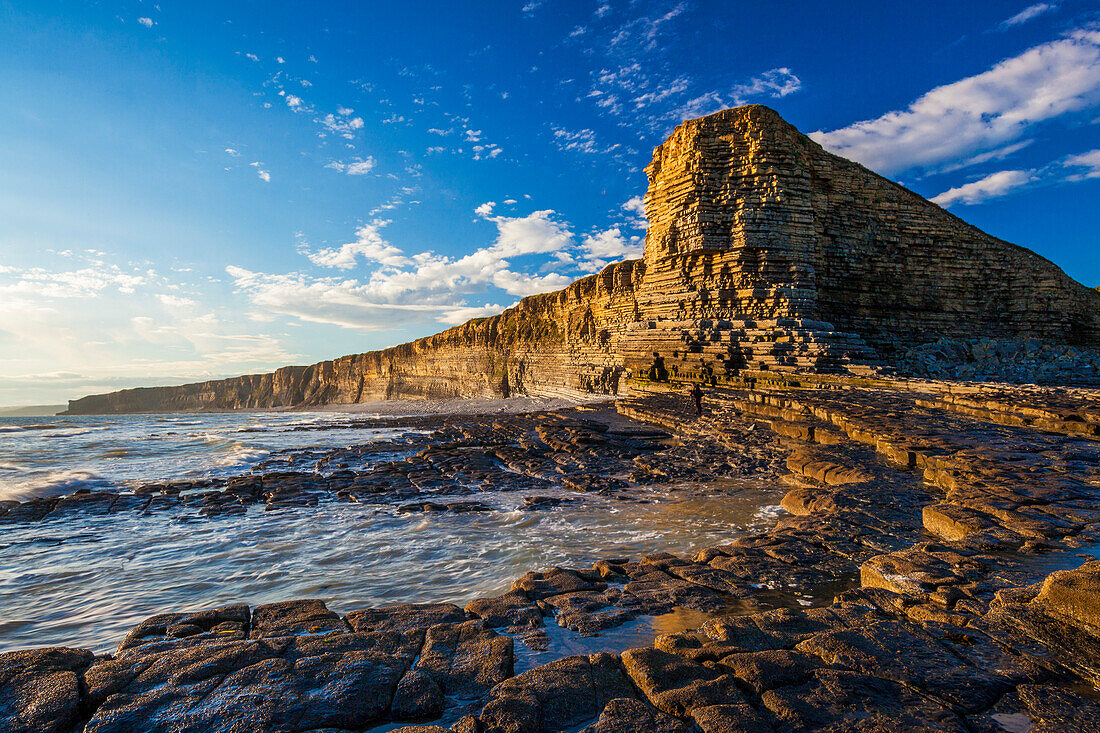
{"x":943,"y":529}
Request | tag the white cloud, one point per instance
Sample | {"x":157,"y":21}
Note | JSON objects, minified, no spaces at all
{"x":536,"y":233}
{"x":1090,"y":161}
{"x":992,"y":186}
{"x":232,"y":151}
{"x":280,"y":60}
{"x":369,"y":244}
{"x":175,"y":301}
{"x":520,"y":284}
{"x":485,"y":152}
{"x":634,"y":93}
{"x":459,"y":315}
{"x":103,"y":326}
{"x":1031,"y":12}
{"x":265,"y":176}
{"x":774,"y":84}
{"x":610,"y":245}
{"x":635,"y":205}
{"x":417,"y":288}
{"x":252,"y":57}
{"x":995,"y":154}
{"x":86,"y":282}
{"x":981,"y":112}
{"x":580,"y":141}
{"x":485,"y":209}
{"x":147,"y":22}
{"x":642,"y":33}
{"x":358,"y":167}
{"x":341,"y":124}
{"x":293,"y":102}
{"x":345,"y":303}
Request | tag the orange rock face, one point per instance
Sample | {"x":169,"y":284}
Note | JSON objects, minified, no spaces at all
{"x":764,"y":253}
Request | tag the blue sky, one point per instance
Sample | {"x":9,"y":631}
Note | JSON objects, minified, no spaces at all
{"x":190,"y":190}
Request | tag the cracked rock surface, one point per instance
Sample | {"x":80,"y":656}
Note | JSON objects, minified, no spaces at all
{"x":944,"y":536}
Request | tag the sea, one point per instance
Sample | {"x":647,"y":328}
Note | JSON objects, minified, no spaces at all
{"x":84,"y":581}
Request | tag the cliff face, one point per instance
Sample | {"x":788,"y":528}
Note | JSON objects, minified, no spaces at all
{"x":565,"y":341}
{"x":763,"y":252}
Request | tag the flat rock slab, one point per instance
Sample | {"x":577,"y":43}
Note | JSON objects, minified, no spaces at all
{"x":40,"y":689}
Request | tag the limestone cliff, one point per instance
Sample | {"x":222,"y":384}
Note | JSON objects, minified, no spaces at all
{"x":764,"y":252}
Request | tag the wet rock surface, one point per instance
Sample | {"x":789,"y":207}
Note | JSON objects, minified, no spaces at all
{"x":441,"y":464}
{"x":929,"y":576}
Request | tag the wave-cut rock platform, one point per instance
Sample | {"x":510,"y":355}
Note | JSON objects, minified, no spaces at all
{"x":933,"y":572}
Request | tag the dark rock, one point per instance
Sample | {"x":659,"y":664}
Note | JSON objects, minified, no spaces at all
{"x":466,"y":659}
{"x":418,"y":697}
{"x":624,"y":715}
{"x":510,"y":609}
{"x":554,"y":582}
{"x":228,"y":623}
{"x":291,"y":618}
{"x":405,"y":617}
{"x":556,"y":696}
{"x":837,"y":700}
{"x":40,"y":689}
{"x":770,"y":669}
{"x":298,"y":683}
{"x":737,"y":718}
{"x":677,"y":686}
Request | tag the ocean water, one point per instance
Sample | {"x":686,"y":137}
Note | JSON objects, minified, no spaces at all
{"x":50,"y":456}
{"x":85,"y":581}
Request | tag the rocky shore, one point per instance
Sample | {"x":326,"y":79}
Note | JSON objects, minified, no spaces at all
{"x":942,"y":532}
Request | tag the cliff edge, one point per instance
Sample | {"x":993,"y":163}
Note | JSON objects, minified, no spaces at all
{"x":764,"y":252}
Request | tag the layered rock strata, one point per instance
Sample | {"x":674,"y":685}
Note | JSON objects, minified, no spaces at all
{"x":764,"y":253}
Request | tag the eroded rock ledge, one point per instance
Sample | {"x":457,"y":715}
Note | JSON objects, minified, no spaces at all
{"x":943,"y":527}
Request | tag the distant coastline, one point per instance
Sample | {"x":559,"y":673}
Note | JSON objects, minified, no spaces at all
{"x":31,"y":410}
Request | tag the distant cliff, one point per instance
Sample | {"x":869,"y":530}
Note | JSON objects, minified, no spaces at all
{"x":562,"y":341}
{"x":764,"y":251}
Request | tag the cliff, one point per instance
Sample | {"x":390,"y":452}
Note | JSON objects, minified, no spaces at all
{"x":764,"y":251}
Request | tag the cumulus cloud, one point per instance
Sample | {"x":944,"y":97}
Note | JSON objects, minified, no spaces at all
{"x":369,"y":244}
{"x":537,"y":233}
{"x":992,"y":186}
{"x":635,"y":205}
{"x":610,"y":245}
{"x":147,"y":22}
{"x":412,"y":288}
{"x":981,"y":112}
{"x":458,"y":316}
{"x":346,"y":303}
